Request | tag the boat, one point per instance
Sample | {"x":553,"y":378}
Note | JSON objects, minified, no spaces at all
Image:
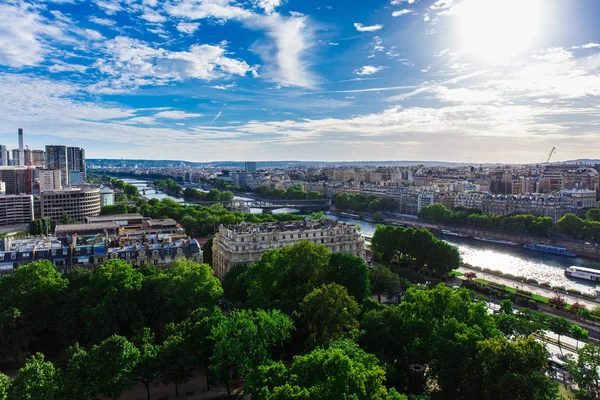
{"x":559,"y":251}
{"x":589,"y":274}
{"x":450,"y":233}
{"x":497,"y":241}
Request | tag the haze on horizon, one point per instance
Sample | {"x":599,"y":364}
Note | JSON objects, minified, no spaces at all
{"x":200,"y":80}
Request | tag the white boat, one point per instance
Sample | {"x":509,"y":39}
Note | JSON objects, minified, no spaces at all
{"x":589,"y":274}
{"x":450,"y":233}
{"x":497,"y":241}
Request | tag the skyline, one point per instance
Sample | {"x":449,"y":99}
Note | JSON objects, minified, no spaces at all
{"x":209,"y":80}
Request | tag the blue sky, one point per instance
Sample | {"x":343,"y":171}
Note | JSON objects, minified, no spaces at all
{"x":202,"y":80}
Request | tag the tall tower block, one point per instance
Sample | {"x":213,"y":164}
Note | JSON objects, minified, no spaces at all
{"x":21,"y":148}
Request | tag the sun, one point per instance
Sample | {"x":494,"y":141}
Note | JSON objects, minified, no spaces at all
{"x":497,"y":30}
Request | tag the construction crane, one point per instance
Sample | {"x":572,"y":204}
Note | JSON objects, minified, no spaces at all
{"x":550,"y":154}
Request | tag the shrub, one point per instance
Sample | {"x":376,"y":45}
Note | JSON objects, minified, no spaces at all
{"x":574,"y":291}
{"x":545,"y":284}
{"x":532,"y":281}
{"x":557,"y":302}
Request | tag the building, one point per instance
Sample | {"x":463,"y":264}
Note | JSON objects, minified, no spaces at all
{"x":250,"y":167}
{"x":245,"y":243}
{"x":107,"y":197}
{"x":581,"y":178}
{"x":47,"y":179}
{"x":56,"y":158}
{"x":581,"y":199}
{"x":4,"y":159}
{"x":76,"y":162}
{"x":469,"y":201}
{"x":16,"y":209}
{"x":89,"y":251}
{"x":17,"y":179}
{"x":16,"y":158}
{"x":536,"y":204}
{"x":120,"y":219}
{"x":77,"y":203}
{"x":243,"y":179}
{"x":35,"y":158}
{"x":426,"y":197}
{"x":110,"y":229}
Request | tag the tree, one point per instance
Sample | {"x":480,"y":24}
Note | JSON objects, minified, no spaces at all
{"x":234,"y":283}
{"x":560,"y":326}
{"x":110,"y":300}
{"x":37,"y":380}
{"x":330,"y":314}
{"x":384,"y":281}
{"x":175,"y":363}
{"x":207,"y":251}
{"x":112,"y":365}
{"x":14,"y":338}
{"x":570,"y":225}
{"x":512,"y":370}
{"x":41,"y":226}
{"x":4,"y":386}
{"x":244,"y":339}
{"x":189,"y":285}
{"x":147,"y":368}
{"x":578,"y":333}
{"x":506,"y":306}
{"x":340,"y":371}
{"x":349,"y":271}
{"x":131,"y":191}
{"x":377,"y":217}
{"x":593,"y":214}
{"x":66,"y":219}
{"x":557,"y":302}
{"x":585,"y":370}
{"x":77,"y":377}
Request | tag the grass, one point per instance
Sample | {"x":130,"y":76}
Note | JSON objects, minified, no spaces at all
{"x":536,"y":297}
{"x":565,"y":392}
{"x":456,"y":273}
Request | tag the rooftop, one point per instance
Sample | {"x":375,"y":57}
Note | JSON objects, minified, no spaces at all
{"x":116,"y":217}
{"x":85,"y":227}
{"x":288,"y":226}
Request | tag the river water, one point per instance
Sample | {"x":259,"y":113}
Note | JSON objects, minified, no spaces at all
{"x":514,"y":260}
{"x":543,"y":267}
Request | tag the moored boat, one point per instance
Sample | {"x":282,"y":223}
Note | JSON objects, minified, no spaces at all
{"x":589,"y":274}
{"x":559,"y":251}
{"x":497,"y":241}
{"x":450,"y":233}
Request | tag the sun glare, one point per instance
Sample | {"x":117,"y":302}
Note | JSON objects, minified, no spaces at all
{"x":498,"y":30}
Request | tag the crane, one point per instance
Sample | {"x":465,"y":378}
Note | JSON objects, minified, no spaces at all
{"x":550,"y":154}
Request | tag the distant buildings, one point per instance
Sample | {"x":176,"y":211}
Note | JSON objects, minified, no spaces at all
{"x":543,"y":205}
{"x":245,"y":243}
{"x":56,"y":158}
{"x":4,"y":159}
{"x":16,"y":209}
{"x":76,"y":165}
{"x":250,"y":167}
{"x":17,"y":180}
{"x":77,"y":203}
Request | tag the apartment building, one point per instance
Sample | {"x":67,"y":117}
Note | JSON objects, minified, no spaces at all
{"x":16,"y":209}
{"x":536,"y":204}
{"x":78,"y":203}
{"x":245,"y":243}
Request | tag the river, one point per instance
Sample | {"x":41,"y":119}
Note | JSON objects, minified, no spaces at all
{"x":513,"y":260}
{"x":542,"y":267}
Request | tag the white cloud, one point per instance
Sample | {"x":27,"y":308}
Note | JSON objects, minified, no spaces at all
{"x":172,"y":114}
{"x":369,"y":70}
{"x":268,"y":6}
{"x":188,"y":27}
{"x":362,"y":28}
{"x":401,"y":12}
{"x":110,"y":7}
{"x":153,"y":16}
{"x":24,"y":35}
{"x":398,"y":2}
{"x":590,"y":45}
{"x":90,"y":34}
{"x":102,"y":21}
{"x":133,"y":63}
{"x":61,"y":66}
{"x":200,"y":9}
{"x":224,"y":87}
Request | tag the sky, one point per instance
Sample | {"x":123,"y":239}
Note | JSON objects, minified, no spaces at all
{"x":332,"y":80}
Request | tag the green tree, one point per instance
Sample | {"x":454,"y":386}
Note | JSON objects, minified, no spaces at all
{"x":330,"y":314}
{"x":112,"y":364}
{"x":593,"y":214}
{"x":512,"y":370}
{"x":578,"y":333}
{"x":384,"y":281}
{"x":110,"y":300}
{"x":37,"y":380}
{"x":66,"y":219}
{"x":41,"y":226}
{"x":175,"y":363}
{"x":189,"y":285}
{"x":14,"y":337}
{"x":4,"y":386}
{"x":234,"y":283}
{"x":570,"y":225}
{"x":340,"y":371}
{"x":506,"y":306}
{"x":560,"y":326}
{"x":147,"y":369}
{"x":244,"y":339}
{"x":349,"y":271}
{"x":207,"y":254}
{"x":131,"y":191}
{"x":378,"y":217}
{"x":77,"y":377}
{"x":585,"y":370}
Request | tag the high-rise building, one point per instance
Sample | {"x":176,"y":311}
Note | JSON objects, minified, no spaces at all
{"x":16,"y":179}
{"x":16,"y":158}
{"x":3,"y":155}
{"x":21,"y":148}
{"x":76,"y":161}
{"x":56,"y":158}
{"x":47,"y":179}
{"x":77,"y":203}
{"x":35,"y":158}
{"x":250,"y":167}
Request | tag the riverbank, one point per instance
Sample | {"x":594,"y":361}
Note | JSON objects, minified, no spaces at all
{"x":580,"y":248}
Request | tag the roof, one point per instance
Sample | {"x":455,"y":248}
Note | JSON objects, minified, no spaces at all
{"x":585,"y":269}
{"x":95,"y":226}
{"x":116,"y":217}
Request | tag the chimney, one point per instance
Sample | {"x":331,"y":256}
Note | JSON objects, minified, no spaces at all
{"x":21,"y":149}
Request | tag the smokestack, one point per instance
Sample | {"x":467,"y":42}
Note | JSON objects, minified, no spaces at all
{"x":21,"y":149}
